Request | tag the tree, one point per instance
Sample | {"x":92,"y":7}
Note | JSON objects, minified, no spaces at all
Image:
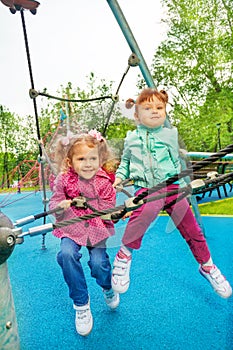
{"x":17,"y":143}
{"x":9,"y":127}
{"x":195,"y":64}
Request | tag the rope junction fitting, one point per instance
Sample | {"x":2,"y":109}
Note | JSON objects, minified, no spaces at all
{"x":133,"y":60}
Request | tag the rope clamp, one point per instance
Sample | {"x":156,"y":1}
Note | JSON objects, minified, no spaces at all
{"x":198,"y":183}
{"x":130,"y":205}
{"x":133,"y":60}
{"x":79,"y":202}
{"x":41,"y":159}
{"x":212,"y":175}
{"x":115,"y":98}
{"x":33,"y":93}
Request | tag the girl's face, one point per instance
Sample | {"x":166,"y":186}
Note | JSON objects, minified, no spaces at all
{"x":85,"y":161}
{"x":151,"y":113}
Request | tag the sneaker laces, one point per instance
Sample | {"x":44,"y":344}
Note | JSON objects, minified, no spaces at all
{"x":121,"y":263}
{"x":109,"y":294}
{"x":82,"y":314}
{"x":217,"y":275}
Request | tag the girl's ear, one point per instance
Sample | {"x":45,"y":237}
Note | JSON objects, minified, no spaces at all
{"x":136,"y":116}
{"x":68,"y":162}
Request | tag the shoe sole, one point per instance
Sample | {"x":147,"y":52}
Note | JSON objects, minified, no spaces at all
{"x":86,"y":334}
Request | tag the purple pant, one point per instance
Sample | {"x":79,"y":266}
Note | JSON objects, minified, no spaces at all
{"x":182,"y":216}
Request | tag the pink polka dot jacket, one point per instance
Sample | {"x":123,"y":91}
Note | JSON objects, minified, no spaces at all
{"x":101,"y":196}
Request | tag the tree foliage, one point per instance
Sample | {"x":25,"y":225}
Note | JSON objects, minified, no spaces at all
{"x":195,"y":64}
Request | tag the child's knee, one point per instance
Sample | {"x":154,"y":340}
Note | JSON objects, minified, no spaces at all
{"x":67,"y":254}
{"x":98,"y":264}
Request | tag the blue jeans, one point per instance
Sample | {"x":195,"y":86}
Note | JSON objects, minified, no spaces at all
{"x":69,"y":260}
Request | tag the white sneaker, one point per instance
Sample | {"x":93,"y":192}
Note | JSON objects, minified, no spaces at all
{"x":218,"y":281}
{"x":112,"y":298}
{"x":83,"y":319}
{"x":120,"y":273}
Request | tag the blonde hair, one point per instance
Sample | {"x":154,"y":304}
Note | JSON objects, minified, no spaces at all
{"x":64,"y":153}
{"x":147,"y":95}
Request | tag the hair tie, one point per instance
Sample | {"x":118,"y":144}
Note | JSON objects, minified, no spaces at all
{"x":96,"y":134}
{"x":65,"y":140}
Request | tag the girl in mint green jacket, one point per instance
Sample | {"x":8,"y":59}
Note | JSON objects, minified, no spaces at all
{"x":151,"y":156}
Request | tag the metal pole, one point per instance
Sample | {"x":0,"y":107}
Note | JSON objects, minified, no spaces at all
{"x":9,"y":339}
{"x":131,"y":41}
{"x":116,"y":10}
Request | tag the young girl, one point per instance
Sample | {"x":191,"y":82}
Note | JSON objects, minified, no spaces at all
{"x":82,"y":175}
{"x":150,"y":156}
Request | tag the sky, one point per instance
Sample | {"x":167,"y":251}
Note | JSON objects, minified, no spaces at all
{"x":68,"y":40}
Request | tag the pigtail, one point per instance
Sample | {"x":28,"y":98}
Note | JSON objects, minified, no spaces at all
{"x":60,"y":152}
{"x":63,"y":144}
{"x":164,"y":95}
{"x":109,"y":163}
{"x":129,"y":103}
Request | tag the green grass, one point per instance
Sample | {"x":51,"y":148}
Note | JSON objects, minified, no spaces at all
{"x":23,"y":189}
{"x":220,"y":207}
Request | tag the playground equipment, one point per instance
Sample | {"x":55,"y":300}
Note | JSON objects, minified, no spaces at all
{"x":9,"y":338}
{"x":18,"y":5}
{"x":13,"y":235}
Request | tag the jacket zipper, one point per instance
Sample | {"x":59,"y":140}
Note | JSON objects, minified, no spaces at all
{"x":150,"y":158}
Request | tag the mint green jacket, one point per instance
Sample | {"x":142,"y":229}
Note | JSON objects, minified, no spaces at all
{"x":150,"y":156}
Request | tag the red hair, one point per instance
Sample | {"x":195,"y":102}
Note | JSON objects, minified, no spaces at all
{"x":147,"y":95}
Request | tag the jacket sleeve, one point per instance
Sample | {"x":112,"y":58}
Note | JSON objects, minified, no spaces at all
{"x":123,"y":171}
{"x":175,"y":149}
{"x":58,"y":194}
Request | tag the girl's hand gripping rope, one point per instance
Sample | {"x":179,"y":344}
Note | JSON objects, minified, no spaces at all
{"x":65,"y":204}
{"x":126,"y":212}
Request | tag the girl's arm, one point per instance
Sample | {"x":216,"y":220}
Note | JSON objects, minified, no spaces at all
{"x":107,"y":195}
{"x":123,"y":172}
{"x":58,"y":198}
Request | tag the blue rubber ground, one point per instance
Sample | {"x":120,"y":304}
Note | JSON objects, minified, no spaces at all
{"x":169,"y":305}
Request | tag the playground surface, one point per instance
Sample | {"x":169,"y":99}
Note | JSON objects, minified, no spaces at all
{"x":169,"y":306}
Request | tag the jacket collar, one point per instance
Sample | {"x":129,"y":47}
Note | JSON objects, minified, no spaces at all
{"x":144,"y":129}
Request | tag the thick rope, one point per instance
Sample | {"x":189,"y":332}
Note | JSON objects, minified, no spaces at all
{"x":184,"y":191}
{"x":36,"y":116}
{"x":6,"y":203}
{"x":30,"y":74}
{"x":34,"y":93}
{"x":121,"y":208}
{"x":114,"y":102}
{"x":118,"y":212}
{"x":87,"y":217}
{"x":215,"y":183}
{"x":186,"y":172}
